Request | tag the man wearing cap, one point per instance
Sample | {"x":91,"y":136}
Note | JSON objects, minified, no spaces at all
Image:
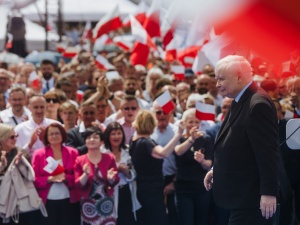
{"x":189,"y":78}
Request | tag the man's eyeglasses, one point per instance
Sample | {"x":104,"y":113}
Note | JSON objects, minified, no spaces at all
{"x":130,"y":108}
{"x":54,"y":100}
{"x":89,"y":113}
{"x":160,"y":113}
{"x":12,"y":137}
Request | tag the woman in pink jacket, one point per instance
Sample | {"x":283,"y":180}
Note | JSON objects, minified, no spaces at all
{"x":96,"y":175}
{"x":56,"y":186}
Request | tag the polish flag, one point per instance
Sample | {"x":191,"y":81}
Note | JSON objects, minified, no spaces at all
{"x":123,"y":43}
{"x":205,"y":111}
{"x":140,"y":14}
{"x":171,"y":51}
{"x":288,"y":69}
{"x":165,"y":102}
{"x":109,"y":22}
{"x":102,"y":63}
{"x":70,"y":52}
{"x":139,"y":54}
{"x":178,"y":72}
{"x":53,"y":167}
{"x":140,"y":33}
{"x":200,"y":62}
{"x":87,"y":33}
{"x":34,"y":80}
{"x":187,"y":56}
{"x":152,"y":20}
{"x":9,"y":41}
{"x":168,"y":24}
{"x":219,"y":48}
{"x":61,"y":47}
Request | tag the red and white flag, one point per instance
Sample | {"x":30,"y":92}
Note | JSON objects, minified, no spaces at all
{"x":53,"y":167}
{"x":61,"y":47}
{"x":87,"y":33}
{"x":70,"y":52}
{"x":187,"y":56}
{"x":140,"y":33}
{"x":9,"y":41}
{"x":103,"y":64}
{"x":111,"y":21}
{"x":205,"y":111}
{"x":218,"y":48}
{"x":168,"y":24}
{"x":200,"y":62}
{"x":178,"y":72}
{"x":152,"y":20}
{"x":165,"y":102}
{"x":34,"y":80}
{"x":123,"y":43}
{"x":140,"y":14}
{"x":171,"y":51}
{"x":288,"y":69}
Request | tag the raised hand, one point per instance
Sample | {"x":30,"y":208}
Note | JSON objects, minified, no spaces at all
{"x":198,"y":156}
{"x":86,"y":169}
{"x":3,"y":161}
{"x":111,"y":174}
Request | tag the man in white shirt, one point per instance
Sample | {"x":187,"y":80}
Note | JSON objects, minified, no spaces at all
{"x":31,"y":132}
{"x":17,"y":113}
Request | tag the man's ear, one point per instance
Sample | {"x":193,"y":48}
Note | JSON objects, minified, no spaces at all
{"x":239,"y":75}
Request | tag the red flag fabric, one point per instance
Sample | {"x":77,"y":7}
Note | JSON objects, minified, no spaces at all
{"x":165,"y":102}
{"x":188,"y":55}
{"x":9,"y":41}
{"x":53,"y":167}
{"x":205,"y":111}
{"x":168,"y":24}
{"x":140,"y":14}
{"x":171,"y":51}
{"x":140,"y":53}
{"x":87,"y":33}
{"x":270,"y":28}
{"x":102,"y":63}
{"x":178,"y":72}
{"x":152,"y":20}
{"x":141,"y":34}
{"x":109,"y":22}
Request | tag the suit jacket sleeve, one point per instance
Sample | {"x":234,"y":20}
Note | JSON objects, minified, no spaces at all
{"x":262,"y":134}
{"x":73,"y":141}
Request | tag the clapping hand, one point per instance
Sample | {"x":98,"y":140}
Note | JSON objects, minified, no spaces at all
{"x":111,"y":174}
{"x":3,"y":161}
{"x":195,"y":133}
{"x":86,"y":169}
{"x":102,"y":87}
{"x":181,"y":127}
{"x":199,"y":156}
{"x":18,"y":158}
{"x":123,"y":168}
{"x":58,"y":178}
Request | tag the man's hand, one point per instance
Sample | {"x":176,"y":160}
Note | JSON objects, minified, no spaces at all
{"x":3,"y":161}
{"x":208,"y":180}
{"x":267,"y":206}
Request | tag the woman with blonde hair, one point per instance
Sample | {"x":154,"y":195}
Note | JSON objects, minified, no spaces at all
{"x":147,"y":158}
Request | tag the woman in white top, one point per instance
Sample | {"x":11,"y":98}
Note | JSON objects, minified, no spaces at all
{"x":126,"y":202}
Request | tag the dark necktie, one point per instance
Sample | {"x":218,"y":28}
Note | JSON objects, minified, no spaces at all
{"x":47,"y":86}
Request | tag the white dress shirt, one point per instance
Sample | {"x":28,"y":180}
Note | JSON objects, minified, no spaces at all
{"x":25,"y":131}
{"x":7,"y":116}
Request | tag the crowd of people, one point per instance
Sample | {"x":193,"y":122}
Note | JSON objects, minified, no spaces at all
{"x":127,"y":162}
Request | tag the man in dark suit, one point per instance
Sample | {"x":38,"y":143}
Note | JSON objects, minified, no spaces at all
{"x":245,"y":172}
{"x":87,"y":114}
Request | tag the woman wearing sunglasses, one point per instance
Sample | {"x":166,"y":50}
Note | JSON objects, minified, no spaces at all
{"x":9,"y":152}
{"x":52,"y":105}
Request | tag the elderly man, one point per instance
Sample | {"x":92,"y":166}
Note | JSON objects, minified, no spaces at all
{"x":245,"y":173}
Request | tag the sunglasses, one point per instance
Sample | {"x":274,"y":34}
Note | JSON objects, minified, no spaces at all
{"x":160,"y":112}
{"x":132,"y":108}
{"x":12,"y":137}
{"x":54,"y":100}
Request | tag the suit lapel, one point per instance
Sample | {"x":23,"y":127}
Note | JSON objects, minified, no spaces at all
{"x":235,"y":111}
